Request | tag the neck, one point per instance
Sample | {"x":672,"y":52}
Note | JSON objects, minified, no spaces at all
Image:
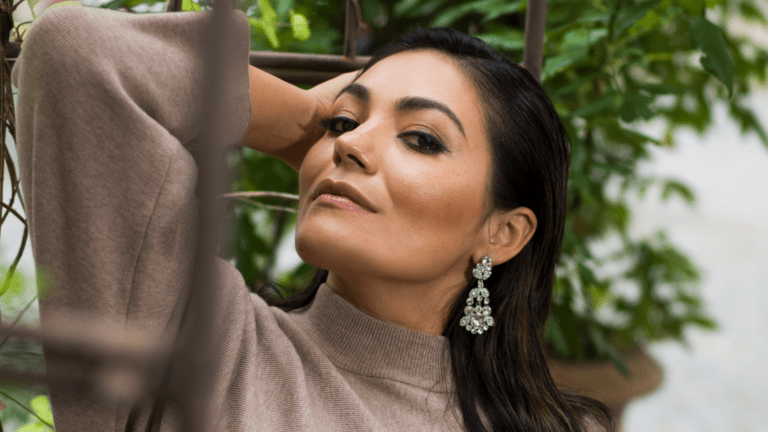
{"x":423,"y":307}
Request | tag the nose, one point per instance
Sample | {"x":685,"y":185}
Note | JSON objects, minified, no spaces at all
{"x":356,"y":150}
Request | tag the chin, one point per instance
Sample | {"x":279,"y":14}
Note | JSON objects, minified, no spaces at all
{"x":323,"y":249}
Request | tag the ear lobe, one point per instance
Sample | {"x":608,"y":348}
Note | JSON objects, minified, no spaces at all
{"x":509,"y":232}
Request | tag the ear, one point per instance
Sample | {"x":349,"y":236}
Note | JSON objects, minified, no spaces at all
{"x":505,"y":234}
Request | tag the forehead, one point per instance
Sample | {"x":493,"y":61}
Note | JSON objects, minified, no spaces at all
{"x":429,"y":74}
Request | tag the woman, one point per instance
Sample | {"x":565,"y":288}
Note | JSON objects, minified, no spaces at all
{"x":432,"y":191}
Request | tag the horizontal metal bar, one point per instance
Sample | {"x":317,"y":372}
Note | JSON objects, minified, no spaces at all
{"x":295,"y":68}
{"x":116,"y":382}
{"x":96,"y":346}
{"x":307,"y":62}
{"x":19,"y":376}
{"x":117,"y":367}
{"x":302,"y":77}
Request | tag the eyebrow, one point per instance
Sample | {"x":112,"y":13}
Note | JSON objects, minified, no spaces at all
{"x":411,"y":103}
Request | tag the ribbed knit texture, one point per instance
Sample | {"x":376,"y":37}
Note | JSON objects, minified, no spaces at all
{"x":106,"y":108}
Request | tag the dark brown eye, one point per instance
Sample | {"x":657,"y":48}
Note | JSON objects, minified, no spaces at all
{"x":338,"y":125}
{"x":424,"y":142}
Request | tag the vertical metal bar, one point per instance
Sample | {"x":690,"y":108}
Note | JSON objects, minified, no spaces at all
{"x":535,"y":21}
{"x":213,"y":181}
{"x":351,"y":27}
{"x":173,"y":6}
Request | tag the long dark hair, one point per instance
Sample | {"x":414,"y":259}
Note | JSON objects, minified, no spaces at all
{"x":503,"y":372}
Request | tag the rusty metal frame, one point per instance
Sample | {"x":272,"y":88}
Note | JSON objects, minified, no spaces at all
{"x":309,"y":69}
{"x":295,"y":68}
{"x":313,"y":69}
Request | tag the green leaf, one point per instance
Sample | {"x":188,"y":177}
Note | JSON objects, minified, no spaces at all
{"x":34,"y":427}
{"x":14,"y":286}
{"x":189,"y":6}
{"x":593,"y":16}
{"x":300,"y":26}
{"x":267,"y":13}
{"x":505,"y":8}
{"x":488,"y":8}
{"x":717,"y":61}
{"x":582,"y":37}
{"x":259,"y":26}
{"x":553,"y":65}
{"x":650,"y":21}
{"x":416,"y":8}
{"x":675,"y":187}
{"x":629,"y":16}
{"x":693,"y":7}
{"x":42,"y":407}
{"x":505,"y":40}
{"x":283,"y":6}
{"x":636,"y":106}
{"x":267,"y":24}
{"x":610,"y":100}
{"x":748,"y":121}
{"x":661,"y":89}
{"x":702,"y":322}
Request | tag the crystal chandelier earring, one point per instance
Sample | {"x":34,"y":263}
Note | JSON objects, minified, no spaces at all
{"x":478,"y":319}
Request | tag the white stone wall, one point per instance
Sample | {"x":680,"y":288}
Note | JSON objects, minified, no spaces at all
{"x":719,"y":383}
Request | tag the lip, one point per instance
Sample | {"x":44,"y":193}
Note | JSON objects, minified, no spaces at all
{"x":330,"y":187}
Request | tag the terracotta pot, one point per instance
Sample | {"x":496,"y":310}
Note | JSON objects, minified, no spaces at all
{"x":602,"y":381}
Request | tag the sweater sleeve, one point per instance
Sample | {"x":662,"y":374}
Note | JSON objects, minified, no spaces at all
{"x":105,"y":110}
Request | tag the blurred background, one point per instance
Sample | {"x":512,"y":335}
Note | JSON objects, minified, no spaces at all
{"x":666,"y":105}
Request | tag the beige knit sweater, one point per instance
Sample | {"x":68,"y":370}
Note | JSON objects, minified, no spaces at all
{"x":104,"y":116}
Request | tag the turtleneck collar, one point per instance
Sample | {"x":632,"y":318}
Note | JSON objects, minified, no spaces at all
{"x":360,"y":343}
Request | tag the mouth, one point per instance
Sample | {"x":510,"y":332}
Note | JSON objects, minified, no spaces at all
{"x":343,"y":195}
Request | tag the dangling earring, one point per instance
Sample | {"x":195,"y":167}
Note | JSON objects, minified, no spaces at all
{"x":478,"y":318}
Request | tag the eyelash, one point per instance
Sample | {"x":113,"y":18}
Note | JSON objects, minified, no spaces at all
{"x":431,"y":142}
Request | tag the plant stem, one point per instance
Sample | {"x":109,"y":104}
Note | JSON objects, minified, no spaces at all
{"x":18,"y":317}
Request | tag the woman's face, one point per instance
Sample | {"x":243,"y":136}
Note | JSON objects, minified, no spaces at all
{"x":409,"y":136}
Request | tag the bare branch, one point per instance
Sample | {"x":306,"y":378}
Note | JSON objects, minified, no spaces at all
{"x":258,"y":204}
{"x":261,"y":194}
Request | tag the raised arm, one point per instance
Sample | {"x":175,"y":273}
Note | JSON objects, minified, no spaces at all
{"x":284,"y":118}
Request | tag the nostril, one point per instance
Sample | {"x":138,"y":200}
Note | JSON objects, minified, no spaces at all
{"x":357,"y":161}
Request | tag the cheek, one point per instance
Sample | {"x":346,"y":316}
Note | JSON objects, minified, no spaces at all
{"x":442,"y":203}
